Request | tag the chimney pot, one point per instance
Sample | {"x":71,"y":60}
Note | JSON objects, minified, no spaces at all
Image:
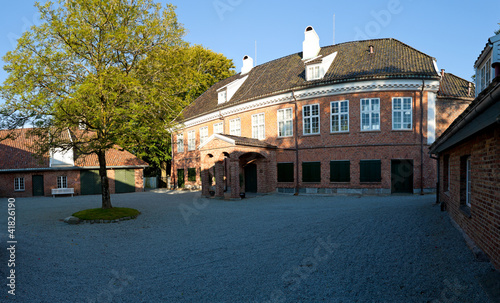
{"x":371,"y":49}
{"x":442,"y":72}
{"x":310,"y":46}
{"x":247,"y":64}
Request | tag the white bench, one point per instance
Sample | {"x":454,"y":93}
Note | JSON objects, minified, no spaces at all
{"x":62,"y":191}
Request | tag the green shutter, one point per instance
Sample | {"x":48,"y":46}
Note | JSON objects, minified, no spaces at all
{"x":191,"y":174}
{"x":370,"y":171}
{"x":285,"y":172}
{"x":311,"y":172}
{"x":340,"y":171}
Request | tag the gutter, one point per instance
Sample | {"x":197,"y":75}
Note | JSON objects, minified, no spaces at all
{"x":491,"y":97}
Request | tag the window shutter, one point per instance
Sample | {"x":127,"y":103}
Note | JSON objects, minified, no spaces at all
{"x":311,"y":172}
{"x":340,"y":171}
{"x":370,"y":171}
{"x":285,"y":172}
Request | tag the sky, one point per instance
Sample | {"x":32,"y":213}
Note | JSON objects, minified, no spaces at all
{"x":453,"y":32}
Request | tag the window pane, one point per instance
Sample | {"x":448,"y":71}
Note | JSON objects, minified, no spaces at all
{"x":344,"y":121}
{"x":335,"y":123}
{"x":335,"y":108}
{"x":306,"y":111}
{"x":315,"y":109}
{"x":407,"y":103}
{"x":345,"y":106}
{"x":397,"y":104}
{"x":315,"y":125}
{"x":375,"y":121}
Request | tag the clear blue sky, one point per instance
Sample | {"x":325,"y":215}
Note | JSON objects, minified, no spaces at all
{"x":454,"y":32}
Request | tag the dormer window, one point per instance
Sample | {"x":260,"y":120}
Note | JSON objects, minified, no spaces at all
{"x":485,"y":74}
{"x":314,"y":72}
{"x":222,"y":96}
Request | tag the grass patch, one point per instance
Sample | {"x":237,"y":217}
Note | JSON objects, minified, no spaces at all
{"x":106,"y":214}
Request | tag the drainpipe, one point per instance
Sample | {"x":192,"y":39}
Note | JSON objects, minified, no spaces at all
{"x":296,"y":134}
{"x":438,"y":177}
{"x":422,"y":139}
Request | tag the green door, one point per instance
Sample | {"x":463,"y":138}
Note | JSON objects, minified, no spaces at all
{"x":124,"y":181}
{"x":251,"y":178}
{"x":402,"y":176}
{"x":90,"y":182}
{"x":38,"y":185}
{"x":180,"y":178}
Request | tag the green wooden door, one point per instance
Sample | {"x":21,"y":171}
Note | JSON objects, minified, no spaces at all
{"x":180,"y":178}
{"x":90,"y":182}
{"x":251,"y":178}
{"x":125,"y":181}
{"x":402,"y":176}
{"x":38,"y":185}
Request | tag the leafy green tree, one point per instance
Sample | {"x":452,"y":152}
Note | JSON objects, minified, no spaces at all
{"x":92,"y":63}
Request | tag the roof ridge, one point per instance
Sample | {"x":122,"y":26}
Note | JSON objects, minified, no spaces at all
{"x":451,"y":74}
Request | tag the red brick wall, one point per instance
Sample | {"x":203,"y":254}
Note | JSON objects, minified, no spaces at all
{"x":385,"y":144}
{"x":447,"y":110}
{"x":483,"y":226}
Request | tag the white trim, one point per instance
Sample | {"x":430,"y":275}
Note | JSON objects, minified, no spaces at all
{"x":311,"y":116}
{"x":284,"y":120}
{"x":402,"y":110}
{"x":220,"y":137}
{"x":431,"y":117}
{"x":317,"y":92}
{"x":339,"y":114}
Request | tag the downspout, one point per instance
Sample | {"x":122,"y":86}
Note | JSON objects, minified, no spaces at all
{"x":422,"y":139}
{"x":225,"y":159}
{"x":438,"y":176}
{"x":296,"y":134}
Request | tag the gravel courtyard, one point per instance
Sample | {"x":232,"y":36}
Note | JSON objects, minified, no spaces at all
{"x":273,"y":248}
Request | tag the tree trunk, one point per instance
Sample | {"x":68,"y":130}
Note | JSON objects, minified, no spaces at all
{"x":103,"y":173}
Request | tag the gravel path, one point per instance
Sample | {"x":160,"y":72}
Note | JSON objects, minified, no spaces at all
{"x":274,"y":248}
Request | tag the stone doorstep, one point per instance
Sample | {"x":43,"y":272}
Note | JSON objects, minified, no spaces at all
{"x":75,"y":220}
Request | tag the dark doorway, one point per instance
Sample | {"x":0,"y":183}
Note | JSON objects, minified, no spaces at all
{"x":251,"y":178}
{"x":402,"y":176}
{"x":180,"y":178}
{"x":38,"y":185}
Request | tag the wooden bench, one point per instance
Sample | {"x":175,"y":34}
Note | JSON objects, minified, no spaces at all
{"x":62,"y":191}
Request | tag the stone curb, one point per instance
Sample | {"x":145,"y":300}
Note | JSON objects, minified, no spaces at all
{"x":75,"y":220}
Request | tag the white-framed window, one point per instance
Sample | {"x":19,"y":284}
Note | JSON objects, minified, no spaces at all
{"x":485,"y":74}
{"x":222,"y":96}
{"x":218,"y":128}
{"x":310,"y":119}
{"x":313,"y":72}
{"x":235,"y":127}
{"x":258,"y":126}
{"x":62,"y":182}
{"x":180,"y":143}
{"x":19,"y":184}
{"x":402,"y":113}
{"x":191,"y":140}
{"x":285,"y":122}
{"x":469,"y":183}
{"x":370,"y":114}
{"x":339,"y":119}
{"x":203,"y":134}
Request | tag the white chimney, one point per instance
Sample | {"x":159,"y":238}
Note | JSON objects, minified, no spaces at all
{"x":310,"y":46}
{"x":247,"y":65}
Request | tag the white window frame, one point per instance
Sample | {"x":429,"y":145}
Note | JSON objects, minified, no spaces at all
{"x":219,"y":128}
{"x":62,"y":182}
{"x":310,"y":117}
{"x":259,"y":126}
{"x":180,"y":143}
{"x":283,"y":121}
{"x":314,"y":72}
{"x":339,"y":114}
{"x":370,"y":113}
{"x":468,"y":185}
{"x":203,"y":134}
{"x":19,"y":184}
{"x":222,"y":96}
{"x":235,"y":127}
{"x":191,"y":140}
{"x":402,"y":112}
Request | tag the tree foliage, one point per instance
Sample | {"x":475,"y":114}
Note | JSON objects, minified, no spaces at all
{"x":119,"y":68}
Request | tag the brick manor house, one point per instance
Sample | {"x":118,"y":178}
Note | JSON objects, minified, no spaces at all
{"x":355,"y":117}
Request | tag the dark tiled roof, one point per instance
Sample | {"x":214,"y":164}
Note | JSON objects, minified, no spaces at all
{"x":453,"y":86}
{"x":18,"y":153}
{"x":391,"y":59}
{"x":249,"y":141}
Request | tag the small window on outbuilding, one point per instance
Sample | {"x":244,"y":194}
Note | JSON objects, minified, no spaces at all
{"x":285,"y":172}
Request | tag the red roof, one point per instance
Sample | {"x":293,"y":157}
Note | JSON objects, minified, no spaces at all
{"x":18,"y":153}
